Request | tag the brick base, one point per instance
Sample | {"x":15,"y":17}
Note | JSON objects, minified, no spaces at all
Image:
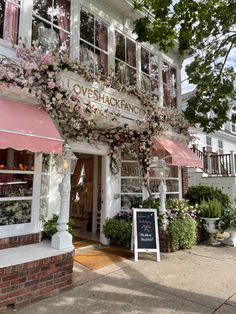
{"x":165,"y":241}
{"x":6,"y":243}
{"x":25,"y":283}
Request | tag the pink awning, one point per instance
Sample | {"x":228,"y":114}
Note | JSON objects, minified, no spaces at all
{"x":27,"y":127}
{"x":180,"y":154}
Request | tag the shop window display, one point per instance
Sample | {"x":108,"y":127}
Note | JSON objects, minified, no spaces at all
{"x":125,"y":59}
{"x":9,"y":20}
{"x":93,"y":43}
{"x":149,"y":71}
{"x":51,"y":23}
{"x":16,"y":186}
{"x":169,"y":85}
{"x":131,"y":182}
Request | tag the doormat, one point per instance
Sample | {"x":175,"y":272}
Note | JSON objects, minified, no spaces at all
{"x":96,"y":259}
{"x":79,"y":243}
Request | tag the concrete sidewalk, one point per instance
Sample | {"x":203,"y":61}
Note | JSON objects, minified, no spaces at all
{"x":200,"y":280}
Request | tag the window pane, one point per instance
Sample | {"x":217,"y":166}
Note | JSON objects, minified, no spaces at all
{"x":154,"y":86}
{"x":146,"y":83}
{"x":131,"y":52}
{"x":87,"y":56}
{"x":15,"y":212}
{"x":144,"y":60}
{"x":101,"y":35}
{"x":131,"y":76}
{"x":9,"y":20}
{"x":15,"y":185}
{"x":101,"y":62}
{"x":131,"y":185}
{"x":87,"y":26}
{"x":11,"y":159}
{"x":131,"y":169}
{"x":43,"y":9}
{"x":120,"y":46}
{"x":153,"y":67}
{"x":120,"y":71}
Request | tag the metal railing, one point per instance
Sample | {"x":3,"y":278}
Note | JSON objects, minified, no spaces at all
{"x":215,"y":164}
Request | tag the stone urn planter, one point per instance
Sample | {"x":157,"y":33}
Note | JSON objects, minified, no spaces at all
{"x":231,"y":240}
{"x":210,"y":224}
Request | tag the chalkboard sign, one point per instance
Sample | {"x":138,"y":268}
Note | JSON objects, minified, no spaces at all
{"x":145,"y":232}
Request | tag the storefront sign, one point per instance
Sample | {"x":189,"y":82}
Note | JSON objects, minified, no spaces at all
{"x":127,"y":105}
{"x":145,"y":232}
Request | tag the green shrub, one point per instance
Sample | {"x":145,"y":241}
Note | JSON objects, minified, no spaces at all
{"x":50,"y":226}
{"x":183,"y":233}
{"x":118,"y":231}
{"x":210,"y":209}
{"x":197,"y":193}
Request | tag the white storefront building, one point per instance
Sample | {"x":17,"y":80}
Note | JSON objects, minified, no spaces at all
{"x":100,"y":35}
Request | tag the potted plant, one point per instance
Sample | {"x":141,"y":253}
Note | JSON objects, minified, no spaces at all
{"x":210,"y":213}
{"x":228,"y":224}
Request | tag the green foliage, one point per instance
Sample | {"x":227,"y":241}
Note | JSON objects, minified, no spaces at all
{"x":211,"y":208}
{"x":183,"y":233}
{"x":118,"y":231}
{"x":204,"y":29}
{"x":228,"y":218}
{"x":50,"y":226}
{"x":197,"y":193}
{"x":154,"y":203}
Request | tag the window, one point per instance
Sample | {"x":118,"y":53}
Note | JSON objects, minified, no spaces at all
{"x":16,"y":186}
{"x":169,"y":85}
{"x":149,"y":71}
{"x":51,"y":23}
{"x":131,"y":182}
{"x":172,"y":184}
{"x":233,"y":127}
{"x":93,"y":43}
{"x":220,"y":147}
{"x":125,"y":59}
{"x":208,"y":144}
{"x":9,"y":20}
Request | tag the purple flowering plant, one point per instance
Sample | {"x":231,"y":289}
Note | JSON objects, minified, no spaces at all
{"x":180,"y":209}
{"x":124,"y":215}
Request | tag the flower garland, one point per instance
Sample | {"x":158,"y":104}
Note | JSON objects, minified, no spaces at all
{"x":39,"y":74}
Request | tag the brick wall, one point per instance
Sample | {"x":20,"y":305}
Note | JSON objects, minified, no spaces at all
{"x":25,"y":283}
{"x":165,"y":241}
{"x":184,"y":180}
{"x":6,"y":243}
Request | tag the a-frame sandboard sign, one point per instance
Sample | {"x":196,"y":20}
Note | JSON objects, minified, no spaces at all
{"x":145,"y":235}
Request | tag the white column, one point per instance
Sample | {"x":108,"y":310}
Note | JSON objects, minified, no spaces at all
{"x":232,"y":160}
{"x":95,"y":193}
{"x":106,"y":196}
{"x":63,"y":239}
{"x":162,"y":190}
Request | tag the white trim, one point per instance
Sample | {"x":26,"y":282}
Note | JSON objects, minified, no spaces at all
{"x":31,"y":135}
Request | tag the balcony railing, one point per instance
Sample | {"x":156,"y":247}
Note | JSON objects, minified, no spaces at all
{"x":217,"y":164}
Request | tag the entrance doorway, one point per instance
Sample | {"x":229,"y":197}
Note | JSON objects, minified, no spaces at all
{"x":85,"y":198}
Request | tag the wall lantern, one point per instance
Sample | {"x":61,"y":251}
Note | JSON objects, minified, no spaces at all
{"x":66,"y":162}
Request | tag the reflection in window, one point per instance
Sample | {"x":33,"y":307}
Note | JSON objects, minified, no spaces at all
{"x":93,"y":43}
{"x":149,"y":74}
{"x":16,"y":186}
{"x":169,"y":85}
{"x":9,"y":20}
{"x":125,"y":59}
{"x":51,"y":23}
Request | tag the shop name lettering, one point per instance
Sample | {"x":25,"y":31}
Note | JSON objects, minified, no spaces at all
{"x":97,"y":96}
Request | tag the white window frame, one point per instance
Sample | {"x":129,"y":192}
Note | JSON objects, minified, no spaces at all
{"x":33,"y":225}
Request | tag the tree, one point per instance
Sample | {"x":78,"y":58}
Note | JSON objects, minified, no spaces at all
{"x":205,"y":29}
